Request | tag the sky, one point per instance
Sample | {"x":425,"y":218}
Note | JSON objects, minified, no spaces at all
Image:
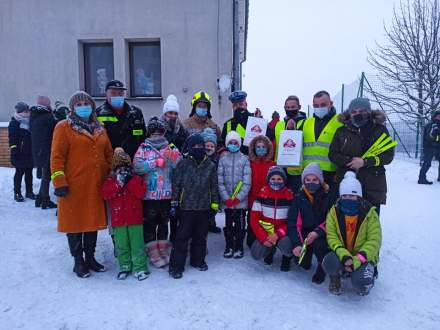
{"x":301,"y":46}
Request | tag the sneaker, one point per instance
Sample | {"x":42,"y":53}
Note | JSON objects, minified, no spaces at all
{"x":123,"y":275}
{"x":319,"y":275}
{"x":229,"y":253}
{"x":424,"y":181}
{"x":18,"y":197}
{"x":142,"y":275}
{"x":285,"y":264}
{"x":238,"y":254}
{"x":203,"y":267}
{"x":176,"y":274}
{"x":335,"y":285}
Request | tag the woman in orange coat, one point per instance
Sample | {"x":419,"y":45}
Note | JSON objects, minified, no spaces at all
{"x":80,"y":161}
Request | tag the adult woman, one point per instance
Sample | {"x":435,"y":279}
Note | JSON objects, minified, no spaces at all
{"x":80,"y":161}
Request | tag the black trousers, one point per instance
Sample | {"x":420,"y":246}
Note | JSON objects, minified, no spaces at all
{"x":318,"y":248}
{"x":156,"y":218}
{"x":235,"y":228}
{"x":250,"y":236}
{"x":80,"y":243}
{"x":192,"y":225}
{"x":428,"y":156}
{"x":28,"y":179}
{"x":45,"y":183}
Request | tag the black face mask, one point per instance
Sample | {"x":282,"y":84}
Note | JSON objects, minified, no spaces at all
{"x":292,"y":113}
{"x":312,"y":187}
{"x":240,"y":113}
{"x":172,"y":123}
{"x":360,"y":119}
{"x":197,"y":153}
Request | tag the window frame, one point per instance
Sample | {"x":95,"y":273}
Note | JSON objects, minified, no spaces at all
{"x":86,"y":45}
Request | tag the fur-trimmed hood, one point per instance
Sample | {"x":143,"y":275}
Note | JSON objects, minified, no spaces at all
{"x":378,"y":117}
{"x":269,"y":146}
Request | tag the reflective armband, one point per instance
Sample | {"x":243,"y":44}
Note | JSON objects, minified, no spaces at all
{"x":137,"y":132}
{"x":214,"y":206}
{"x":57,"y":174}
{"x":13,"y":146}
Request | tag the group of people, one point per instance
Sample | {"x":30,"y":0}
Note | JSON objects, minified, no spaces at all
{"x":163,"y":182}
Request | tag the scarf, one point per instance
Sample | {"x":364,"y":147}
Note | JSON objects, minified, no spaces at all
{"x":23,"y":120}
{"x":157,"y":142}
{"x":84,"y":127}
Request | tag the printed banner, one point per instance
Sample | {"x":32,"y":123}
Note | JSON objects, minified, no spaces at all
{"x":290,"y":148}
{"x":255,"y":126}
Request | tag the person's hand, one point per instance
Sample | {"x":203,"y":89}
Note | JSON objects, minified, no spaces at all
{"x":118,"y":149}
{"x":235,"y":201}
{"x":297,"y":251}
{"x":290,"y":124}
{"x":257,"y":113}
{"x":272,"y":238}
{"x":356,"y":163}
{"x":311,"y":237}
{"x":61,"y":191}
{"x":160,"y":162}
{"x":229,"y":203}
{"x":348,"y":265}
{"x":267,"y":244}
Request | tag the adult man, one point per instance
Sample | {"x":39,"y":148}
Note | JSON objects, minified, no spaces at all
{"x":319,"y":131}
{"x":431,"y":146}
{"x":294,"y":120}
{"x":124,"y":123}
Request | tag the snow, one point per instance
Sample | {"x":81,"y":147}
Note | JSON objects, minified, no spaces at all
{"x":39,"y":291}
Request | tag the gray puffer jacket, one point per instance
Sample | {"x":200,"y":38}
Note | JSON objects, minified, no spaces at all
{"x":233,"y":168}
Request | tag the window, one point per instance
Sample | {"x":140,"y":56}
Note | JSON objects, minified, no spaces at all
{"x":98,"y":67}
{"x":145,"y":71}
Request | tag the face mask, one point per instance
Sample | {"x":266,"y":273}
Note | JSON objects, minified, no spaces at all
{"x":172,"y":123}
{"x":320,"y":112}
{"x":117,"y":101}
{"x":291,"y":113}
{"x":261,"y":151}
{"x":349,"y":206}
{"x":360,"y":119}
{"x":197,"y":153}
{"x":312,"y":187}
{"x":84,"y":111}
{"x":201,"y":112}
{"x":233,"y":148}
{"x":240,"y":112}
{"x":276,"y":185}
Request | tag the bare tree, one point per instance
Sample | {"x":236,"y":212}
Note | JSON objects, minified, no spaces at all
{"x":408,"y":64}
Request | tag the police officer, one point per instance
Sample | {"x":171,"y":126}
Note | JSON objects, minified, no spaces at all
{"x":124,"y":123}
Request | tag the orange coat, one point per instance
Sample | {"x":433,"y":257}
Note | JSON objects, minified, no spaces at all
{"x":81,"y":162}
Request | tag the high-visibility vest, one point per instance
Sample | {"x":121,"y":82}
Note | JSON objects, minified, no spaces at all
{"x":239,"y":129}
{"x":281,"y":126}
{"x":316,"y":151}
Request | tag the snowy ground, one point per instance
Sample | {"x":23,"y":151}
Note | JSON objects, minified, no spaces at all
{"x":39,"y":291}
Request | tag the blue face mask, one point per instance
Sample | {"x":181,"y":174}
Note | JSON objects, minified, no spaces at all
{"x":261,"y":151}
{"x":320,"y":112}
{"x":349,"y":206}
{"x":83,"y":111}
{"x":276,"y":185}
{"x":201,"y":112}
{"x":117,"y":101}
{"x":233,"y":148}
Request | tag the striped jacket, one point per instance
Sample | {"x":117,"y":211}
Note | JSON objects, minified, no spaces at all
{"x":269,"y":212}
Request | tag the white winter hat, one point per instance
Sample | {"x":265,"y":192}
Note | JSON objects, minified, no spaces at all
{"x":350,"y":185}
{"x":233,"y":135}
{"x":171,"y":104}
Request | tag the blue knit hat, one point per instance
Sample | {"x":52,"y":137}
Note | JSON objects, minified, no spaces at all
{"x":209,"y":135}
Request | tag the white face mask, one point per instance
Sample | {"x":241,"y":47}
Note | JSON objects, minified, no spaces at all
{"x":320,"y":112}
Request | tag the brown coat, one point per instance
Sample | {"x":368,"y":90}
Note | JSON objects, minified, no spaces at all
{"x":85,"y":161}
{"x":195,"y":124}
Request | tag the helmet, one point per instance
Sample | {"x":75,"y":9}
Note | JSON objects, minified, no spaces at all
{"x":201,"y":97}
{"x":155,"y":125}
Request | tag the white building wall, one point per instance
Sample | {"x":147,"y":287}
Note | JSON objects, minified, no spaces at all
{"x":40,"y":52}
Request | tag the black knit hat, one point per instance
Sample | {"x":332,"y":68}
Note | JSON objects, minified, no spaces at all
{"x":155,"y":125}
{"x":21,"y":107}
{"x":194,"y":139}
{"x":276,"y":170}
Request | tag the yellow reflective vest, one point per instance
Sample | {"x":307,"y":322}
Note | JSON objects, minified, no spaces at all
{"x":239,"y":129}
{"x":316,"y":150}
{"x":279,"y":127}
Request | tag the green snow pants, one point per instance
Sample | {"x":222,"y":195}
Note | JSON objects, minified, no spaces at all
{"x":129,"y":242}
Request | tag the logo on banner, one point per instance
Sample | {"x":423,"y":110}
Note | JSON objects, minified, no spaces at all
{"x":256,"y":129}
{"x":289,"y":144}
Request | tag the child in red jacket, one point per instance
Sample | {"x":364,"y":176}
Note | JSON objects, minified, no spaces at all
{"x":124,"y":191}
{"x":269,"y":217}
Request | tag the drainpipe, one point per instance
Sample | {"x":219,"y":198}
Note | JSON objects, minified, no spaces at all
{"x":236,"y":71}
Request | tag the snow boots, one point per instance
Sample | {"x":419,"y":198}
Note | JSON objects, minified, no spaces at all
{"x":89,"y":243}
{"x":46,"y":203}
{"x":76,"y":249}
{"x":424,"y":181}
{"x":285,"y":263}
{"x":164,"y":247}
{"x":18,"y":197}
{"x":158,"y":253}
{"x":335,"y":285}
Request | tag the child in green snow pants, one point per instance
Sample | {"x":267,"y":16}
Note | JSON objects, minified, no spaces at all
{"x":129,"y":242}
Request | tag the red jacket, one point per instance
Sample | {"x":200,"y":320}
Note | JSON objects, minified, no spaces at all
{"x":260,"y":167}
{"x":271,"y":207}
{"x":125,"y":202}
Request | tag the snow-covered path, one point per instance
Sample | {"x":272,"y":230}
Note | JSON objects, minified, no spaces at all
{"x":39,"y":291}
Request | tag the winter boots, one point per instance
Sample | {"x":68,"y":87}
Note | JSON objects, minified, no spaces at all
{"x":84,"y":243}
{"x":335,"y":285}
{"x":164,"y":247}
{"x":159,"y":253}
{"x":424,"y":181}
{"x":285,"y":263}
{"x":46,"y":203}
{"x":30,"y":195}
{"x":89,"y":244}
{"x":319,"y":275}
{"x":18,"y":197}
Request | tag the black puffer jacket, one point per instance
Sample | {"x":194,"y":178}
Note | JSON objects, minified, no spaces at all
{"x":431,"y":136}
{"x":20,"y":145}
{"x":42,"y":124}
{"x":350,"y":142}
{"x":195,"y":186}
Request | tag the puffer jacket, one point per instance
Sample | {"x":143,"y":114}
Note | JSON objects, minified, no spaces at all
{"x":195,"y":186}
{"x":431,"y":136}
{"x":20,"y":145}
{"x":259,"y":166}
{"x":350,"y":142}
{"x":367,"y":239}
{"x":158,"y":179}
{"x":42,"y":125}
{"x":233,"y":168}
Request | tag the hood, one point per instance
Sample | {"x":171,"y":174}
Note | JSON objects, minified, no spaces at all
{"x":269,"y":146}
{"x":378,"y":117}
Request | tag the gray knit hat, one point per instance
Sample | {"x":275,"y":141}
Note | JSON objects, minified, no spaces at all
{"x":209,"y":135}
{"x":359,"y":103}
{"x":315,"y":169}
{"x":276,"y":170}
{"x":81,"y":96}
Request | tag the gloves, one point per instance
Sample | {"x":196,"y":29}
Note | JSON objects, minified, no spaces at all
{"x":160,"y":162}
{"x":61,"y":191}
{"x":230,"y":203}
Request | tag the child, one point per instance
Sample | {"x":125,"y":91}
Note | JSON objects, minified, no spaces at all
{"x":234,"y":183}
{"x":155,"y":160}
{"x":124,"y":192}
{"x":354,"y":236}
{"x":210,"y":140}
{"x":306,"y":220}
{"x":21,"y":150}
{"x":261,"y":157}
{"x":269,"y":217}
{"x":195,"y":193}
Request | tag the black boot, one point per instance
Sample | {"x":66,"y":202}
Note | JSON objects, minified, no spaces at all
{"x":268,"y":260}
{"x":424,"y":181}
{"x":46,"y":203}
{"x":30,"y":195}
{"x":18,"y":197}
{"x":319,"y":275}
{"x":75,"y":246}
{"x":89,"y":250}
{"x":37,"y":201}
{"x":285,"y":264}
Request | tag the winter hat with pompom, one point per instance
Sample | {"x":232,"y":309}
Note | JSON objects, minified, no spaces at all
{"x":276,"y":170}
{"x":171,"y":104}
{"x":233,"y":135}
{"x":209,"y":135}
{"x":350,"y":185}
{"x":121,"y":159}
{"x":315,"y":169}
